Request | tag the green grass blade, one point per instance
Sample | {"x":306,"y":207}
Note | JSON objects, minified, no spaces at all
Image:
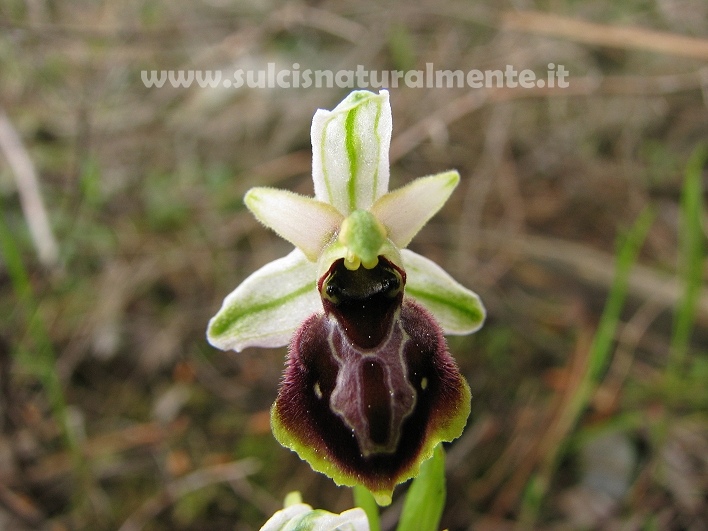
{"x":598,"y":359}
{"x":364,"y":499}
{"x":629,"y":248}
{"x":691,"y":255}
{"x":40,"y":361}
{"x":426,"y":498}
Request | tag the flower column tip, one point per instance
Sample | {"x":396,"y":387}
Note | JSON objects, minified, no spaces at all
{"x":363,"y":235}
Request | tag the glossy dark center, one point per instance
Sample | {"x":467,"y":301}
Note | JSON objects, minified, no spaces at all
{"x":363,"y":300}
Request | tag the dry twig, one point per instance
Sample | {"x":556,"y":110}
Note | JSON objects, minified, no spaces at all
{"x":596,"y":267}
{"x":606,"y":35}
{"x":30,"y":196}
{"x":178,"y":488}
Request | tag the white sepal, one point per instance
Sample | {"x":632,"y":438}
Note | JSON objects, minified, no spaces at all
{"x":267,"y":307}
{"x":303,"y":517}
{"x":457,"y":309}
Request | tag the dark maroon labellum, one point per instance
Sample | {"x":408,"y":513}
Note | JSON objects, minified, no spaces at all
{"x":363,"y":301}
{"x":370,"y":380}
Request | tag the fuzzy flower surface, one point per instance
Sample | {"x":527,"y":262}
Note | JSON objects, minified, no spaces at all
{"x":369,"y":387}
{"x":302,"y":517}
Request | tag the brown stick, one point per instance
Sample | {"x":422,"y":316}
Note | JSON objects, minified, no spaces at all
{"x":28,"y":190}
{"x":606,"y":35}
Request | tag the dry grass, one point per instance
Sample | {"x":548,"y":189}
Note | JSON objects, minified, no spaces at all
{"x":143,"y":190}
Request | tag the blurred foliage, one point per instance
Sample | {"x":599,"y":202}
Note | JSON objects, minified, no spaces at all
{"x":144,"y":187}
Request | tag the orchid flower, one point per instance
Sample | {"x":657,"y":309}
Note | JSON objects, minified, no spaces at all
{"x":301,"y":516}
{"x":369,"y":387}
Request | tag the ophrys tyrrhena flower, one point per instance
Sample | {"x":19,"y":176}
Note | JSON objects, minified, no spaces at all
{"x":369,"y":387}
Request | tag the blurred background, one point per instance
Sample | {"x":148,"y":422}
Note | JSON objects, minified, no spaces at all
{"x":580,"y":221}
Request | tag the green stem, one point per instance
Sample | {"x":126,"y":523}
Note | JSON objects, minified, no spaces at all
{"x":425,"y":500}
{"x":364,"y":499}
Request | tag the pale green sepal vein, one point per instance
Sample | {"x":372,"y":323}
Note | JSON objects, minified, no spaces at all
{"x":268,"y":306}
{"x":350,"y":151}
{"x":457,"y":309}
{"x":353,"y":146}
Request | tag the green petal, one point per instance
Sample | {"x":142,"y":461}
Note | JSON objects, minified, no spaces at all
{"x":305,"y":222}
{"x":457,"y":309}
{"x":268,"y":306}
{"x":350,"y":151}
{"x":405,"y":211}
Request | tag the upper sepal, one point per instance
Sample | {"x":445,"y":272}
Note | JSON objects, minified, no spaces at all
{"x":267,"y":307}
{"x":350,"y":151}
{"x":457,"y":309}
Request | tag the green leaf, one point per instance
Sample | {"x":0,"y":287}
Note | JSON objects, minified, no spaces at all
{"x":425,"y":500}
